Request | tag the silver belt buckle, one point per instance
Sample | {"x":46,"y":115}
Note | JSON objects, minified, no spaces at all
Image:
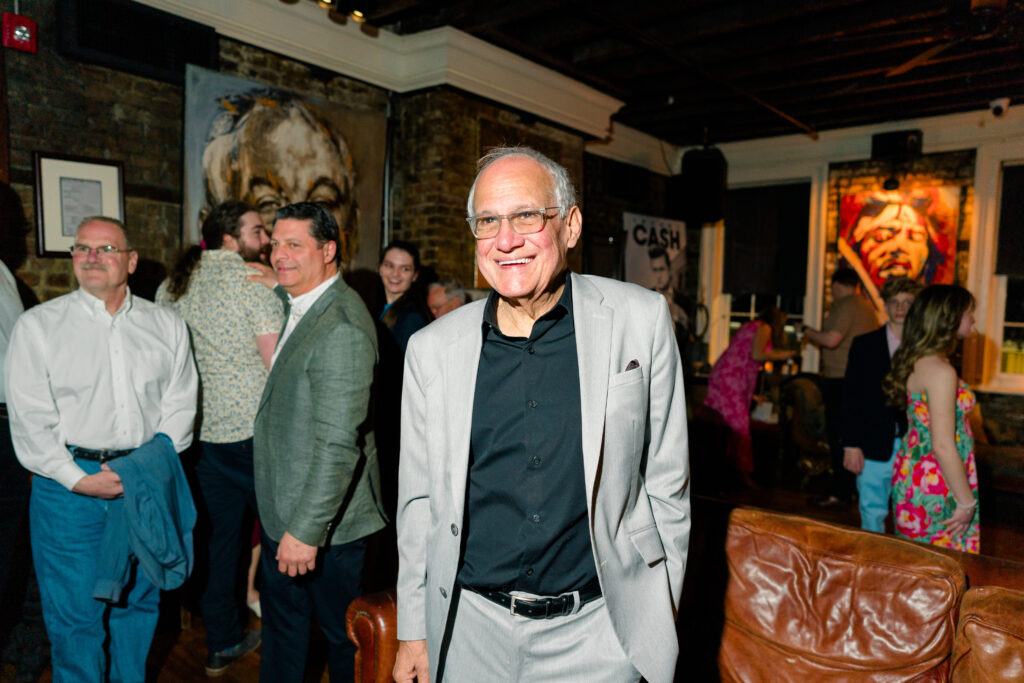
{"x":512,"y":603}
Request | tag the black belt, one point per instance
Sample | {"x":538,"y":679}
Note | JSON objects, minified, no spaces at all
{"x":543,"y":607}
{"x":3,"y":411}
{"x":101,"y":456}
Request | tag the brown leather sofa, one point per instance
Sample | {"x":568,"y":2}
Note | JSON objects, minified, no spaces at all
{"x":804,"y":600}
{"x":989,"y":642}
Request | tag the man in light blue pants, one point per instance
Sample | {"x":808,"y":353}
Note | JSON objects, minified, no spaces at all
{"x":871,"y":429}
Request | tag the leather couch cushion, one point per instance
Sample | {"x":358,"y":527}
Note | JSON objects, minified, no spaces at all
{"x":989,"y":642}
{"x":809,"y":600}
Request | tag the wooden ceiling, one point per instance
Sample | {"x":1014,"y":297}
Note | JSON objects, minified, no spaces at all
{"x":744,"y":69}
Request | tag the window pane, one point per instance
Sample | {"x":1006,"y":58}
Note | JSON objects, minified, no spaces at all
{"x":1012,"y":359}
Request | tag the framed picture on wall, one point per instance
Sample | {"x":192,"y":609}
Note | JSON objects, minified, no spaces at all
{"x":69,"y":189}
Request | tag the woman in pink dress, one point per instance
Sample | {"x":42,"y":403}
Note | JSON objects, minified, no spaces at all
{"x":734,"y":378}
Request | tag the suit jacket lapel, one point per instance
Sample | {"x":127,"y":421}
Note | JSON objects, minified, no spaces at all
{"x":593,"y":323}
{"x":298,"y":334}
{"x":462,"y":363}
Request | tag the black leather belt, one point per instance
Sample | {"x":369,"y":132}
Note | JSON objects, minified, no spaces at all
{"x":541,"y":607}
{"x":101,"y":456}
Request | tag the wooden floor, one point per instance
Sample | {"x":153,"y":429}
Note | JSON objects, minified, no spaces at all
{"x":178,"y":652}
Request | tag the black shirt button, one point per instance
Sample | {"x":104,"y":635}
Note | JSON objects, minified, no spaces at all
{"x":455,"y":530}
{"x":529,"y":572}
{"x":535,"y":517}
{"x":529,"y":350}
{"x":535,"y":461}
{"x":444,"y":593}
{"x":532,"y":404}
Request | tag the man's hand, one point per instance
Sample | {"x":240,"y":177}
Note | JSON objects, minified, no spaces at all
{"x":104,"y":484}
{"x":853,"y":460}
{"x":295,"y":557}
{"x":411,"y":662}
{"x":264,"y":274}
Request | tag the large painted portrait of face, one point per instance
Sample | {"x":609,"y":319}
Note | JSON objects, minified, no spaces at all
{"x":906,"y":234}
{"x":271,"y":147}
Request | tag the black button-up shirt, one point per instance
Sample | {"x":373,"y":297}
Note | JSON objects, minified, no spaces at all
{"x":526,"y":525}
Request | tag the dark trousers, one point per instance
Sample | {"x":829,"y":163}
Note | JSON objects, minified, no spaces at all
{"x":225,"y":475}
{"x":843,"y":481}
{"x":289,"y":603}
{"x":14,"y":492}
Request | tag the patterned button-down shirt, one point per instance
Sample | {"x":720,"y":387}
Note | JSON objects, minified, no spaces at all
{"x":225,"y":313}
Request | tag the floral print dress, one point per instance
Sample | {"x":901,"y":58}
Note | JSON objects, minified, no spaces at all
{"x":920,"y":498}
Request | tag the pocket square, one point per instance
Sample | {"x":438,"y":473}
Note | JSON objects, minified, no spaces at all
{"x":633,"y":365}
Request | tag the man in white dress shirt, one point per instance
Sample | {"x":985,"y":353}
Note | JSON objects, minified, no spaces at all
{"x":90,"y":376}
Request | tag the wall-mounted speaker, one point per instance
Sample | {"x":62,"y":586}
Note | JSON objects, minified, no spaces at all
{"x":900,"y":145}
{"x":697,"y":194}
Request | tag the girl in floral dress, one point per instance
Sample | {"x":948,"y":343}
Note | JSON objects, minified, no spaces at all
{"x":934,"y":480}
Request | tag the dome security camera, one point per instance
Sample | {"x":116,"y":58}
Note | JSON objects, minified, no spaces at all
{"x":999,"y":106}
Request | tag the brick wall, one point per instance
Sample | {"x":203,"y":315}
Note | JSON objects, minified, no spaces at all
{"x":439,"y":136}
{"x":56,"y":105}
{"x":68,"y":107}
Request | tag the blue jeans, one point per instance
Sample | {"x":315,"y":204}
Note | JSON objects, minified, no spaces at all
{"x":873,"y":484}
{"x":288,"y":603}
{"x":225,"y":476}
{"x":92,"y":641}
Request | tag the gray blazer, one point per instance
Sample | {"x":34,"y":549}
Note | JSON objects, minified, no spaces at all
{"x":314,"y":454}
{"x":634,"y":458}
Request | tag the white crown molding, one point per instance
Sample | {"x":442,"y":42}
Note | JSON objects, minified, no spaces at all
{"x":443,"y":56}
{"x":631,"y":146}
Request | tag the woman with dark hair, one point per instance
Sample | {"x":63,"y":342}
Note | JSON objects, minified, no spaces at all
{"x":405,"y":310}
{"x":734,"y":378}
{"x":934,"y":480}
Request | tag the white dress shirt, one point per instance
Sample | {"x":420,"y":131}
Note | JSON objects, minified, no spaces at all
{"x":10,"y":309}
{"x":78,"y":375}
{"x":299,"y":305}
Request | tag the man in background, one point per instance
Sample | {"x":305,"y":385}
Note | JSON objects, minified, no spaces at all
{"x":851,"y":316}
{"x":445,"y":297}
{"x":872,"y":429}
{"x":234,"y":325}
{"x":90,"y":376}
{"x":317,"y":480}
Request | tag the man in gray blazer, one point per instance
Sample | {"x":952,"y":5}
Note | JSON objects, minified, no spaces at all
{"x":317,"y":482}
{"x":544,"y":514}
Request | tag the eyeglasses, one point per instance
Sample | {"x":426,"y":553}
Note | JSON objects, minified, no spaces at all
{"x":524,"y":222}
{"x":105,"y":250}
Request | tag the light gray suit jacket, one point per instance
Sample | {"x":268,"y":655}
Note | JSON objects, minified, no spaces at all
{"x":634,"y":458}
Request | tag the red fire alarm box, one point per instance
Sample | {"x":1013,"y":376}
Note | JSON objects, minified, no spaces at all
{"x":19,"y":32}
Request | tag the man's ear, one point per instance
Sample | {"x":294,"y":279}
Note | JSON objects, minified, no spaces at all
{"x":330,"y":249}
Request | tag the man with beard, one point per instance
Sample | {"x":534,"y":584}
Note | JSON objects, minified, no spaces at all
{"x":234,"y":325}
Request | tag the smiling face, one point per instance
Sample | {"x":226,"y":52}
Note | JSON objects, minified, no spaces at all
{"x":522,"y":268}
{"x":300,"y":263}
{"x":107,"y":274}
{"x":397,"y":273}
{"x":893,"y":243}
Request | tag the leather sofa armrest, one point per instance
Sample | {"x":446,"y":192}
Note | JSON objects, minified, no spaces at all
{"x":989,"y":643}
{"x":370,"y":622}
